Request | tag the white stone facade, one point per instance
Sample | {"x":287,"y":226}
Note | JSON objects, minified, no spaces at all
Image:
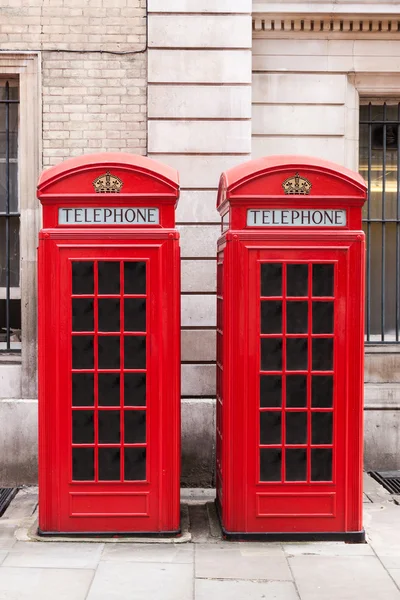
{"x":201,"y":85}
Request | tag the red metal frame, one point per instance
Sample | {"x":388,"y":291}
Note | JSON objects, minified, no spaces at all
{"x":302,"y":509}
{"x":101,"y":506}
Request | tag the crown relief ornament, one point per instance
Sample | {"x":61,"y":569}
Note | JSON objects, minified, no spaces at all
{"x":108,"y":184}
{"x":297,"y":185}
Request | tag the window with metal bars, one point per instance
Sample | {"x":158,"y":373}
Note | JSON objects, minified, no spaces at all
{"x":10,"y":291}
{"x":380,"y":166}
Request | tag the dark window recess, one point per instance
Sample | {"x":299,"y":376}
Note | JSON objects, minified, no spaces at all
{"x":82,"y":427}
{"x":109,"y":277}
{"x":135,"y":352}
{"x":271,"y":316}
{"x":135,"y":314}
{"x":322,"y":391}
{"x":271,"y":354}
{"x":135,"y":426}
{"x":297,"y":354}
{"x":270,"y":427}
{"x":109,"y":352}
{"x":10,"y":310}
{"x":296,"y":391}
{"x":82,"y":278}
{"x":321,"y":464}
{"x":135,"y":389}
{"x":296,"y":464}
{"x":109,"y":314}
{"x":296,"y":427}
{"x":82,"y":314}
{"x":322,"y":354}
{"x":109,"y":464}
{"x":82,"y":352}
{"x":270,"y":464}
{"x":135,"y":277}
{"x":109,"y":393}
{"x":135,"y":464}
{"x":297,"y":317}
{"x":322,"y":280}
{"x":83,"y":464}
{"x":297,"y":280}
{"x":270,"y":390}
{"x":322,"y":317}
{"x":109,"y":426}
{"x":271,"y":279}
{"x":82,"y":389}
{"x":321,"y":428}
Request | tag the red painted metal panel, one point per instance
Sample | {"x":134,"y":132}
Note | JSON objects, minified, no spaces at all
{"x":109,"y":357}
{"x":290,"y":344}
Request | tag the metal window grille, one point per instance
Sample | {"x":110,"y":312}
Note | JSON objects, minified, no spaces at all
{"x":10,"y":303}
{"x":380,"y":166}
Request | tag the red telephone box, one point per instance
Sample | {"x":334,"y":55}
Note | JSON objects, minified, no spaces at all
{"x":290,"y":320}
{"x":109,"y":347}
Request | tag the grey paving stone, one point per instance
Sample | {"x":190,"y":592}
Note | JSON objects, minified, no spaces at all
{"x":2,"y":556}
{"x":208,"y":589}
{"x":327,"y":549}
{"x":382,"y":523}
{"x":344,"y":578}
{"x":60,"y":555}
{"x":241,"y":561}
{"x":395,"y":573}
{"x":142,"y":581}
{"x":44,"y":584}
{"x":168,"y":553}
{"x":7,"y":532}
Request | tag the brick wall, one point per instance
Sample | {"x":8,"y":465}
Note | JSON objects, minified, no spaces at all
{"x":93,"y":71}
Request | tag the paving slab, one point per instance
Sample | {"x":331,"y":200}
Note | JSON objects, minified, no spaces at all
{"x":209,"y":589}
{"x":241,"y":561}
{"x":395,"y":574}
{"x":44,"y":584}
{"x":174,"y":554}
{"x":65,"y":555}
{"x":327,"y":549}
{"x":344,"y":578}
{"x":7,"y":533}
{"x":142,"y":581}
{"x":382,"y":522}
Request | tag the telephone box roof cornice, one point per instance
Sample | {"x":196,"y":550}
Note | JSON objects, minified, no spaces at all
{"x":133,"y":163}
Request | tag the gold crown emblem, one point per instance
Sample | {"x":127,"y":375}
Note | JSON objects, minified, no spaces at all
{"x":297,"y":185}
{"x":108,"y":184}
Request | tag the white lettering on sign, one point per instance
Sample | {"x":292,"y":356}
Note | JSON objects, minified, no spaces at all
{"x":108,"y":216}
{"x":296,"y":218}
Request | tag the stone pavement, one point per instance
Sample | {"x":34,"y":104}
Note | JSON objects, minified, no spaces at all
{"x":205,"y":568}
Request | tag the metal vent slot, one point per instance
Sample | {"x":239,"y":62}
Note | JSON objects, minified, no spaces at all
{"x":6,"y":495}
{"x":390,"y":480}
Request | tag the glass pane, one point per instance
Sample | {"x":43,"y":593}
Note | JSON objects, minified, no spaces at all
{"x":271,"y":316}
{"x":270,"y":390}
{"x":297,"y":317}
{"x":322,"y":280}
{"x":135,"y":314}
{"x":322,"y":317}
{"x":270,"y":464}
{"x":82,"y":352}
{"x":109,"y":427}
{"x":83,"y":464}
{"x":109,"y":352}
{"x":82,"y":278}
{"x":321,"y":464}
{"x":297,"y":280}
{"x":296,"y":464}
{"x":296,"y":427}
{"x":297,"y":354}
{"x":82,"y":427}
{"x":270,"y":427}
{"x":82,"y":389}
{"x":271,"y":354}
{"x":13,"y":186}
{"x":322,"y":391}
{"x":296,"y":391}
{"x":82,"y":314}
{"x":135,"y":277}
{"x":135,"y":464}
{"x":109,"y":389}
{"x":321,"y":427}
{"x":135,"y":352}
{"x":13,"y":109}
{"x":271,"y":279}
{"x":109,"y":276}
{"x":109,"y":313}
{"x":135,"y":426}
{"x":322,"y":354}
{"x":135,"y":389}
{"x":14,"y":251}
{"x":15,"y":324}
{"x":109,"y":464}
